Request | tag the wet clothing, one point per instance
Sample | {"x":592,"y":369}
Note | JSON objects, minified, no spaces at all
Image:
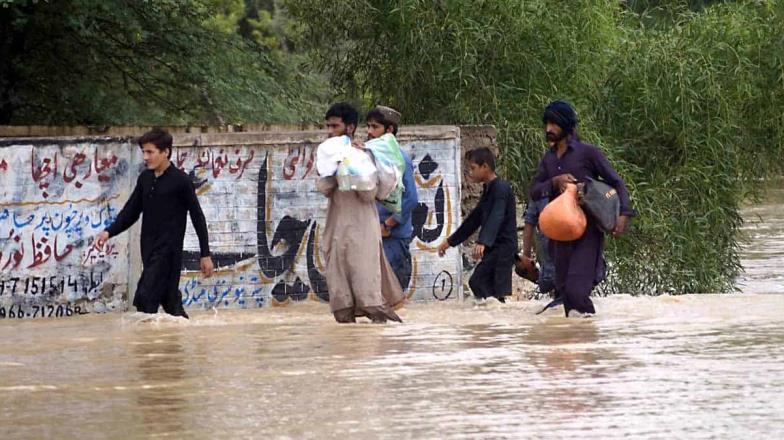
{"x":493,"y":275}
{"x":359,"y":277}
{"x":403,"y":229}
{"x":579,"y":264}
{"x":396,"y":245}
{"x":399,"y":256}
{"x":496,"y":215}
{"x":546,"y":281}
{"x":164,"y":200}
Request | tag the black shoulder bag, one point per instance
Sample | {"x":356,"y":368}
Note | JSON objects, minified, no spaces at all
{"x":601,"y":201}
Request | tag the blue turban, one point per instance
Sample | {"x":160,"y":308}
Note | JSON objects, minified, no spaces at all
{"x":561,"y":114}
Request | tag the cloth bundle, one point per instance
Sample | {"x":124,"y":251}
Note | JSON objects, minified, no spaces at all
{"x":353,"y":167}
{"x":359,"y":170}
{"x":389,"y":158}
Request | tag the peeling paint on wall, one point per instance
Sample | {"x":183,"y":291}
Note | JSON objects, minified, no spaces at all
{"x":265,"y":220}
{"x":264,"y":216}
{"x":55,"y":196}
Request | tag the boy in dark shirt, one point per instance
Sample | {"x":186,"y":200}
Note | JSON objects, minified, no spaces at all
{"x":164,"y":194}
{"x":497,"y":242}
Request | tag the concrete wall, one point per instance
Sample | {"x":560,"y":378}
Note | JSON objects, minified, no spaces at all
{"x":55,"y":196}
{"x":258,"y":194}
{"x":134,"y":130}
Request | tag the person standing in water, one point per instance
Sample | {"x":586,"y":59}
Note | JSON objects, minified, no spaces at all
{"x":396,"y":229}
{"x":579,"y":264}
{"x":163,"y":196}
{"x":524,"y":262}
{"x":497,"y":243}
{"x":359,"y":277}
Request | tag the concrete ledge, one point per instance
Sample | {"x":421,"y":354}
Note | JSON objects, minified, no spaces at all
{"x":184,"y":139}
{"x":135,"y":130}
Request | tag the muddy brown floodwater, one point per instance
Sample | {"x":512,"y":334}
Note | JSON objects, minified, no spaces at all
{"x":692,"y":366}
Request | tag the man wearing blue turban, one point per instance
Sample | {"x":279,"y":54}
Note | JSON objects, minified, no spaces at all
{"x":579,"y":264}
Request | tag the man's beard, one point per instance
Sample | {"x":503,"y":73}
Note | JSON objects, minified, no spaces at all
{"x":553,"y":139}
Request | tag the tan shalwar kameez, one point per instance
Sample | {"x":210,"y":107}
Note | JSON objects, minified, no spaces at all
{"x":360,"y":280}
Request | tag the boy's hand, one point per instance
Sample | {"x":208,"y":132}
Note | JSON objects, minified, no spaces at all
{"x":206,"y":266}
{"x":479,"y":251}
{"x":443,"y":247}
{"x":101,"y":239}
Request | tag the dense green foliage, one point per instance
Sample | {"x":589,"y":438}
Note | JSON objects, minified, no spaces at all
{"x":124,"y":62}
{"x":685,"y":98}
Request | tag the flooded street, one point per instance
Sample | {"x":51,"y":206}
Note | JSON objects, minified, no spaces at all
{"x":695,"y":366}
{"x":763,"y":255}
{"x":665,"y":367}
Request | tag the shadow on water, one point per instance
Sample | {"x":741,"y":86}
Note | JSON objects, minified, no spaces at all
{"x":689,"y":366}
{"x":159,"y":362}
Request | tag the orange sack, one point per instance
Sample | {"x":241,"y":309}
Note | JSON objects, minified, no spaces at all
{"x":563,"y":219}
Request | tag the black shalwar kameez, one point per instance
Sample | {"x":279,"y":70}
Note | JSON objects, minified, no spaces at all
{"x":164,"y":201}
{"x":496,"y":215}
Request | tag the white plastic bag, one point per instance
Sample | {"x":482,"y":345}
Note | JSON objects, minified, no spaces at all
{"x":329,"y":154}
{"x":356,"y":172}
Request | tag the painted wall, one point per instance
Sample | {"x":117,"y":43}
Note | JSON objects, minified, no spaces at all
{"x":55,"y":196}
{"x":266,"y":219}
{"x":257,"y":191}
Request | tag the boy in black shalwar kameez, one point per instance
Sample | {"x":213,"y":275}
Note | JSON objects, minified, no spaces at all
{"x":164,"y":194}
{"x":497,"y":242}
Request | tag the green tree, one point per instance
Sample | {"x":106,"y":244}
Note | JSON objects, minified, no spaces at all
{"x":120,"y":62}
{"x":684,"y":98}
{"x":696,"y":107}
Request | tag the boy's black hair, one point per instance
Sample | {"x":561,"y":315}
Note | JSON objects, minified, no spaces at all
{"x":378,"y":116}
{"x":158,"y":137}
{"x":481,"y":156}
{"x":345,"y":111}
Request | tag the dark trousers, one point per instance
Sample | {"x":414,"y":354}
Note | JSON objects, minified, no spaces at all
{"x":399,"y":257}
{"x":579,"y":266}
{"x":576,"y":294}
{"x":159,"y":284}
{"x":493,"y":275}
